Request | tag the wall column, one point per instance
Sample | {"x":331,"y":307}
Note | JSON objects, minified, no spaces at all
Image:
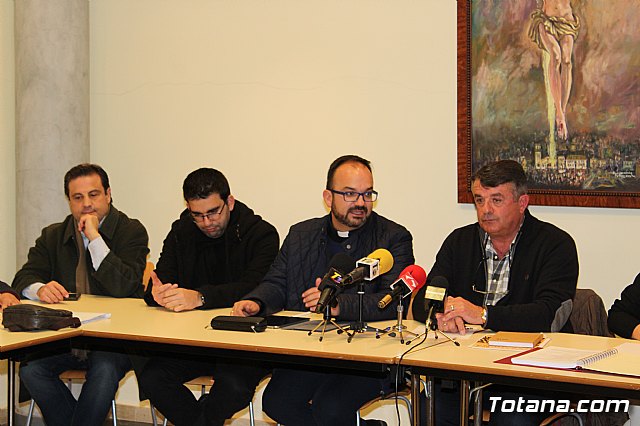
{"x":52,"y":109}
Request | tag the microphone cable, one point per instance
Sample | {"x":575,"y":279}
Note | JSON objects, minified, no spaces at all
{"x":397,"y":378}
{"x":405,"y":353}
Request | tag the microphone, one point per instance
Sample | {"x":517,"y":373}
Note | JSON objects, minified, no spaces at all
{"x":368,"y":268}
{"x":434,"y":296}
{"x":411,"y":279}
{"x":333,"y":279}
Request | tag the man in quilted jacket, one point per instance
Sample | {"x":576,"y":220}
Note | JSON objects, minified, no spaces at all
{"x":308,"y":396}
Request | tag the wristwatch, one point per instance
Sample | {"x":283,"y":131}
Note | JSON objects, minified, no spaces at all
{"x":484,"y":317}
{"x":202,"y":298}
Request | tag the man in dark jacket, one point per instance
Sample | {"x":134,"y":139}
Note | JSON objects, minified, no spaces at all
{"x":95,"y":250}
{"x":624,"y":315}
{"x":292,"y":283}
{"x":216,"y":252}
{"x":509,"y":271}
{"x":624,"y":320}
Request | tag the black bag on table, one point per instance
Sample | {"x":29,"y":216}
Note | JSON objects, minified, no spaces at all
{"x":26,"y":317}
{"x":226,"y":322}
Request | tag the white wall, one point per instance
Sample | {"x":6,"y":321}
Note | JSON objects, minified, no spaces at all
{"x":270,"y":92}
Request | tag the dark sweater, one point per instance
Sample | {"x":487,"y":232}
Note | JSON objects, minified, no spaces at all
{"x":624,"y":315}
{"x":222,"y":269}
{"x":544,"y":274}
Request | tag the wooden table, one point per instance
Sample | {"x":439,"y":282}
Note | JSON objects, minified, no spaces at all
{"x":135,"y":323}
{"x":133,"y":320}
{"x":468,"y":364}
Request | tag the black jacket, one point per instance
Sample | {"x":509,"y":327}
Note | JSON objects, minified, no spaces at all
{"x":303,"y":258}
{"x":251,"y":244}
{"x":544,"y":275}
{"x":624,"y":315}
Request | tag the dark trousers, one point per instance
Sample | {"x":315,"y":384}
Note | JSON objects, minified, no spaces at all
{"x":162,"y":381}
{"x":58,"y":406}
{"x":311,"y":397}
{"x":447,"y":404}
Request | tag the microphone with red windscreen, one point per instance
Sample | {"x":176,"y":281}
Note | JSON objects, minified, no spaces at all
{"x":411,"y":279}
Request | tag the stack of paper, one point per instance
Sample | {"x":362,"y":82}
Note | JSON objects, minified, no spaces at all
{"x":86,"y":317}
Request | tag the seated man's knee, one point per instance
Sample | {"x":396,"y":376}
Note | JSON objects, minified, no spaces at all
{"x":242,"y":389}
{"x":29,"y":374}
{"x":34,"y":370}
{"x":331,"y":417}
{"x":155,"y":379}
{"x":147,"y":381}
{"x":328,"y":410}
{"x":281,"y":407}
{"x":271,"y":404}
{"x":109,"y":368}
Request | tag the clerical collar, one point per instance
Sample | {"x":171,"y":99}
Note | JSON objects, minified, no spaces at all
{"x":338,"y":236}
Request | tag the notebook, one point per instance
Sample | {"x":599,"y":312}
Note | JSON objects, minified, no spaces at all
{"x":515,"y":339}
{"x":623,"y":359}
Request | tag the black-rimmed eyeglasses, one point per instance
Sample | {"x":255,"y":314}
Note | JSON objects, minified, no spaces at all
{"x":352,"y":196}
{"x":210,"y":215}
{"x":490,"y":293}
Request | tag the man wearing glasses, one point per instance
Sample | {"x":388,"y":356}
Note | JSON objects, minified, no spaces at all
{"x":508,"y":271}
{"x":325,"y":396}
{"x":216,"y":252}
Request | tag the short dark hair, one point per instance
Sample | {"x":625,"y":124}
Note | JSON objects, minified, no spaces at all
{"x":342,"y":160}
{"x":201,"y":183}
{"x":500,"y":172}
{"x":85,"y":169}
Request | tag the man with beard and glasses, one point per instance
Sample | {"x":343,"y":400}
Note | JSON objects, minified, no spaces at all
{"x":509,"y":271}
{"x":215,"y":253}
{"x":308,"y":396}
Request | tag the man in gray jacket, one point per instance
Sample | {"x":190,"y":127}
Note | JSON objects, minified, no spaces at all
{"x":95,"y":250}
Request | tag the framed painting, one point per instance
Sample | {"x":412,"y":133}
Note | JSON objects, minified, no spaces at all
{"x":554,"y":85}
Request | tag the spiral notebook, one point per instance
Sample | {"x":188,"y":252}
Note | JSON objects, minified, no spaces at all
{"x":623,"y":359}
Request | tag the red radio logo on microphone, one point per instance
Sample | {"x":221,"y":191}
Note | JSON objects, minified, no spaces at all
{"x":410,"y":281}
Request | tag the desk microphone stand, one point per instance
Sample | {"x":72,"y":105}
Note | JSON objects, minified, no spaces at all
{"x":327,"y":319}
{"x":431,"y":325}
{"x":399,"y":328}
{"x":360,"y":326}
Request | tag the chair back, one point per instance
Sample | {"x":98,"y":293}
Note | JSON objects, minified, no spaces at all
{"x":589,"y":315}
{"x":146,"y":276}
